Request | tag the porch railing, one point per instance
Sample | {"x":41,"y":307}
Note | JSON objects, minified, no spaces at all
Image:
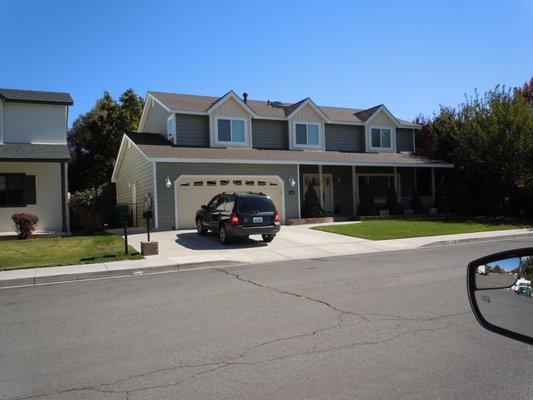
{"x":405,"y":202}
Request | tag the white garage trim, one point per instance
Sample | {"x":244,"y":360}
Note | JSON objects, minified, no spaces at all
{"x":182,"y":178}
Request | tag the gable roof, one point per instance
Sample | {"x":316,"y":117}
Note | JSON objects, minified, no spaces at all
{"x":266,"y":109}
{"x":34,"y":152}
{"x":34,"y":96}
{"x":160,"y":150}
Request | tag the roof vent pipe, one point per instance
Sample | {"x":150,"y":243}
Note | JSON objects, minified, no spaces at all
{"x":245,"y":96}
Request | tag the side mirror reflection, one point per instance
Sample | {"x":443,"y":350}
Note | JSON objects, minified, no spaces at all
{"x":500,"y":293}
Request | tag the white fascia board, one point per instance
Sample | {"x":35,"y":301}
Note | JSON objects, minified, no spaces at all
{"x":125,"y":141}
{"x":147,"y":105}
{"x":317,"y":109}
{"x":233,"y":95}
{"x":389,"y":114}
{"x":119,"y":158}
{"x":340,"y":163}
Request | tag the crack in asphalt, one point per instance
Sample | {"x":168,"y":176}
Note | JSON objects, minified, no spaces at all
{"x":214,"y":366}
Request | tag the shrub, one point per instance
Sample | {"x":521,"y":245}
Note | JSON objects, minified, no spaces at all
{"x":366,"y":205}
{"x":312,"y":207}
{"x":416,"y":202}
{"x":25,"y":224}
{"x":392,"y":202}
{"x":86,"y":203}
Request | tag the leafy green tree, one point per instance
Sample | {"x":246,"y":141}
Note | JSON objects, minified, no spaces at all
{"x":312,"y":207}
{"x":489,"y":138}
{"x":95,"y":138}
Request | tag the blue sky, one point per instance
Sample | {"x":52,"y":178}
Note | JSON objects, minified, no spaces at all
{"x":410,"y":55}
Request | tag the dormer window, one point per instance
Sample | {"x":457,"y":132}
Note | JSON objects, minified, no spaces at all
{"x":230,"y":131}
{"x":381,"y":138}
{"x":307,"y":134}
{"x":171,"y":128}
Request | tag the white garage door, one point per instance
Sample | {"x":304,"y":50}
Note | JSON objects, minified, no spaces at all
{"x":193,"y":191}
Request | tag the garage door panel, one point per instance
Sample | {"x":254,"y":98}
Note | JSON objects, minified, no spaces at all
{"x":193,"y":192}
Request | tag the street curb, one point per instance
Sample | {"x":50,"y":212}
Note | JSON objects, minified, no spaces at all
{"x":18,"y":282}
{"x":474,"y":240}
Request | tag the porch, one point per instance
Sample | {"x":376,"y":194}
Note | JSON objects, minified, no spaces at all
{"x":339,"y":188}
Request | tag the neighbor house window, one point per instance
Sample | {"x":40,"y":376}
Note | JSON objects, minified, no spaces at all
{"x":381,"y":138}
{"x":11,"y":190}
{"x":307,"y":134}
{"x":171,"y":128}
{"x":231,"y":130}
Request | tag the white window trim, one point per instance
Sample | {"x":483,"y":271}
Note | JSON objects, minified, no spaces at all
{"x":174,"y":134}
{"x":232,"y":143}
{"x":392,"y":147}
{"x":307,"y":146}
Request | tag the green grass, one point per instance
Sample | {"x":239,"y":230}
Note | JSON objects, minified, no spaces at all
{"x":48,"y":252}
{"x":406,"y":228}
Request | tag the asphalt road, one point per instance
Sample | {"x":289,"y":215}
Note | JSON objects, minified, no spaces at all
{"x":392,"y":325}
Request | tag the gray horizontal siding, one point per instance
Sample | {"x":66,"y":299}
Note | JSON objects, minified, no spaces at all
{"x":344,"y":138}
{"x":135,"y":169}
{"x":165,"y":196}
{"x":267,"y":134}
{"x":404,"y":139}
{"x":156,"y":119}
{"x":192,"y":130}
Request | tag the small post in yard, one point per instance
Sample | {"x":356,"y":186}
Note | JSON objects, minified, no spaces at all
{"x":125,"y":222}
{"x":149,"y":248}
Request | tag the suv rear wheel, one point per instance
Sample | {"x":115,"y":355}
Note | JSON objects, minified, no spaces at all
{"x":223,"y":235}
{"x":268,"y":238}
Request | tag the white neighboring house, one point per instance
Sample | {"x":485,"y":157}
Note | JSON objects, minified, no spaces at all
{"x":33,"y":157}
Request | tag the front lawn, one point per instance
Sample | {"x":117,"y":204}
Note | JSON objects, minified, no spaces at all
{"x":406,"y":228}
{"x":48,"y":252}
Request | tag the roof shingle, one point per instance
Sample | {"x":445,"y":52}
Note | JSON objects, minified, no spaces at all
{"x":155,"y":146}
{"x":28,"y":151}
{"x":34,"y":96}
{"x":194,"y":103}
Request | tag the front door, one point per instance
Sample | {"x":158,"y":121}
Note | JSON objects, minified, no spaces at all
{"x":327,"y":183}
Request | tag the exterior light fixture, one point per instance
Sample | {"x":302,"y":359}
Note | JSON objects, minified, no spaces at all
{"x":292,"y":182}
{"x":168,"y":184}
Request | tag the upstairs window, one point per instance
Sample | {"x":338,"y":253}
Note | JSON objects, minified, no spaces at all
{"x":380,"y":138}
{"x":230,"y":131}
{"x":171,"y":128}
{"x":306,"y":134}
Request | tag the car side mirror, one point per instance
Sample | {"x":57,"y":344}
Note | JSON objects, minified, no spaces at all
{"x":499,"y":290}
{"x":204,"y":207}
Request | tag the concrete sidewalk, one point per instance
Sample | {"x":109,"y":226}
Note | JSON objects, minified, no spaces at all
{"x":184,"y":250}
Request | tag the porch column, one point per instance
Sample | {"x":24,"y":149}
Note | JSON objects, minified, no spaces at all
{"x":433,"y":191}
{"x":416,"y":180}
{"x":396,"y":188}
{"x":321,"y":186}
{"x":299,"y":190}
{"x":354,"y":190}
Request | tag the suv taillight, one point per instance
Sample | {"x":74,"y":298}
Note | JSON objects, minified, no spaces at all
{"x":277,"y":217}
{"x":234,"y":218}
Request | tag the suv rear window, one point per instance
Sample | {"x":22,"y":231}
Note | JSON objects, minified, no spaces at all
{"x":255,"y":203}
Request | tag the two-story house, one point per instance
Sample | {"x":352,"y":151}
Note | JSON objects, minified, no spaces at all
{"x":189,"y":148}
{"x":33,"y":157}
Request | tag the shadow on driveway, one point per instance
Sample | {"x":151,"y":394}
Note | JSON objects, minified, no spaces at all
{"x":193,"y":241}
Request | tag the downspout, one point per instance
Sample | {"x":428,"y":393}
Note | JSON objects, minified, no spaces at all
{"x":63,"y":200}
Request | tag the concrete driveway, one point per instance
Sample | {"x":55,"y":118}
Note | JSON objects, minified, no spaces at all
{"x":292,"y":242}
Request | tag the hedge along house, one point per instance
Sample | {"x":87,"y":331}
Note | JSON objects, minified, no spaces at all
{"x":33,"y":157}
{"x":189,"y":148}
